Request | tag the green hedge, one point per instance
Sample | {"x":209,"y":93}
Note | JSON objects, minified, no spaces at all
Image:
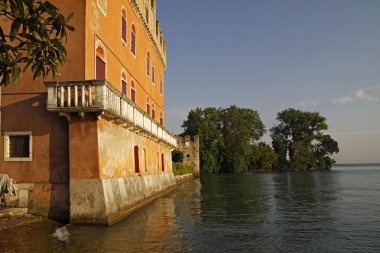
{"x":181,"y":169}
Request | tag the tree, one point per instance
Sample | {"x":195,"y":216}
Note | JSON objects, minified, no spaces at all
{"x":241,"y":129}
{"x":227,"y":137}
{"x":263,"y":157}
{"x":207,"y":124}
{"x":299,"y":142}
{"x":34,"y":37}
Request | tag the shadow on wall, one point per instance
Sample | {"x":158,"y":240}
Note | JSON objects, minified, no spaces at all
{"x":44,"y":181}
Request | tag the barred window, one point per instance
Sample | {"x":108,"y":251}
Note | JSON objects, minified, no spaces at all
{"x":18,"y":146}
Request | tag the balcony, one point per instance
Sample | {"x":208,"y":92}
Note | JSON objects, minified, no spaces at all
{"x":99,"y":97}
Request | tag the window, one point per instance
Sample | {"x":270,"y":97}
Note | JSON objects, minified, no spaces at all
{"x":161,"y":119}
{"x":161,"y":87}
{"x":124,"y":83}
{"x":147,"y":106}
{"x":100,"y":64}
{"x":147,"y":14}
{"x":148,"y":64}
{"x":153,"y":112}
{"x":152,"y":3}
{"x":153,"y":72}
{"x":124,"y":26}
{"x":133,"y":40}
{"x":145,"y":165}
{"x":136,"y":156}
{"x":162,"y":163}
{"x":133,"y":93}
{"x":18,"y":146}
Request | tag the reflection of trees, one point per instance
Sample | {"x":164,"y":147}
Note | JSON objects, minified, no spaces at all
{"x":234,"y":199}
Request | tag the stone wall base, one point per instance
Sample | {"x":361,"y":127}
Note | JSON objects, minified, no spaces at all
{"x":44,"y":199}
{"x":106,"y":201}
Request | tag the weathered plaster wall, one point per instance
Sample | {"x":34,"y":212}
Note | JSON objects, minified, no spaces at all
{"x":105,"y":201}
{"x":116,"y":152}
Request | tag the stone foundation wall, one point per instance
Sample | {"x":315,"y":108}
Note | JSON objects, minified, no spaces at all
{"x":106,"y":201}
{"x":45,"y":199}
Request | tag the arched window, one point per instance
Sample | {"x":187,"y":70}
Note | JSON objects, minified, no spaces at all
{"x":147,"y":105}
{"x":162,"y":163}
{"x":158,"y":162}
{"x":124,"y":25}
{"x":161,"y":119}
{"x":100,"y":64}
{"x":133,"y":92}
{"x":133,"y":40}
{"x":153,"y":111}
{"x":148,"y":63}
{"x":161,"y":87}
{"x":147,"y":14}
{"x":145,"y":165}
{"x":153,"y":71}
{"x":136,"y":156}
{"x":124,"y":83}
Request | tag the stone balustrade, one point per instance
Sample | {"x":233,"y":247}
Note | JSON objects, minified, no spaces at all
{"x":99,"y":96}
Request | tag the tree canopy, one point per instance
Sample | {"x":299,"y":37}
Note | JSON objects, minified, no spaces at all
{"x":34,"y":38}
{"x":227,"y":137}
{"x":299,"y":142}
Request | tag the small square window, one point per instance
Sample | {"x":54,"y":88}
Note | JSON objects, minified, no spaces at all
{"x":18,"y":146}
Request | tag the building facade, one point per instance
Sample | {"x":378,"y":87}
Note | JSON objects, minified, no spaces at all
{"x":91,"y":144}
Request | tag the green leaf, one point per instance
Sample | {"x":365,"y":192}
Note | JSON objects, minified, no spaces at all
{"x":14,"y":29}
{"x":71,"y":15}
{"x":15,"y":73}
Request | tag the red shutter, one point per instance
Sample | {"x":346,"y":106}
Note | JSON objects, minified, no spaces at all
{"x":124,"y":87}
{"x":133,"y":43}
{"x":123,"y":29}
{"x":133,"y":96}
{"x":100,"y":69}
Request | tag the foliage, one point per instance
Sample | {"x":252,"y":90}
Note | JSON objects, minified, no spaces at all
{"x":207,"y":124}
{"x":35,"y":37}
{"x":177,"y":156}
{"x":182,"y":169}
{"x":299,"y":142}
{"x":227,"y":137}
{"x":263,"y":157}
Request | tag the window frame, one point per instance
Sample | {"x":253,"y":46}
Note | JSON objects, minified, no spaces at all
{"x":133,"y":48}
{"x":7,"y":144}
{"x":124,"y":21}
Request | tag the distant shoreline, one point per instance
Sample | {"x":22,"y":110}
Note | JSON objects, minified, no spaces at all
{"x":356,"y":164}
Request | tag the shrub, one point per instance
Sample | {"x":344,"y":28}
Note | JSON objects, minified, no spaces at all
{"x":177,"y":156}
{"x":182,"y":169}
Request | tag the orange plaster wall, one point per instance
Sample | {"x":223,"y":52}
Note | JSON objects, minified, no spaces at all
{"x":24,"y":109}
{"x":50,"y":157}
{"x":84,"y":162}
{"x":107,"y":29}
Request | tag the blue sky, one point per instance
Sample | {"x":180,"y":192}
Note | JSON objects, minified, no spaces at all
{"x":270,"y":55}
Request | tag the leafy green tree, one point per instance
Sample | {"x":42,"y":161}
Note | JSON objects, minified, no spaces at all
{"x":263,"y":157}
{"x":299,"y":142}
{"x":33,"y":35}
{"x":207,"y":124}
{"x":226,"y":137}
{"x":242,"y":128}
{"x":177,"y":156}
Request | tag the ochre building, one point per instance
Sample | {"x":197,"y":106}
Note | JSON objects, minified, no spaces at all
{"x":91,"y":144}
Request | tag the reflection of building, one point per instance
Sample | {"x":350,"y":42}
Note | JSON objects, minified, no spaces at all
{"x":100,"y":145}
{"x":189,"y":146}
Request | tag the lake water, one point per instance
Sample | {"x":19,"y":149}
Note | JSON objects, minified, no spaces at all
{"x":331,"y":211}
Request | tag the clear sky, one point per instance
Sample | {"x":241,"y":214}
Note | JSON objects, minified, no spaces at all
{"x":269,"y":55}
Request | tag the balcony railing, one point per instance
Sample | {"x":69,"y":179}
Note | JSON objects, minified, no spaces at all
{"x":99,"y":96}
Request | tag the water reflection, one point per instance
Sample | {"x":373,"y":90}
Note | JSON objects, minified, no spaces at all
{"x":336,"y":211}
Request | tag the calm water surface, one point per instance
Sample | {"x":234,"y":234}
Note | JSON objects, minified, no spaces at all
{"x":333,"y":211}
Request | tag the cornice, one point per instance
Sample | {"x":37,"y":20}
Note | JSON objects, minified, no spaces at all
{"x":147,"y":31}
